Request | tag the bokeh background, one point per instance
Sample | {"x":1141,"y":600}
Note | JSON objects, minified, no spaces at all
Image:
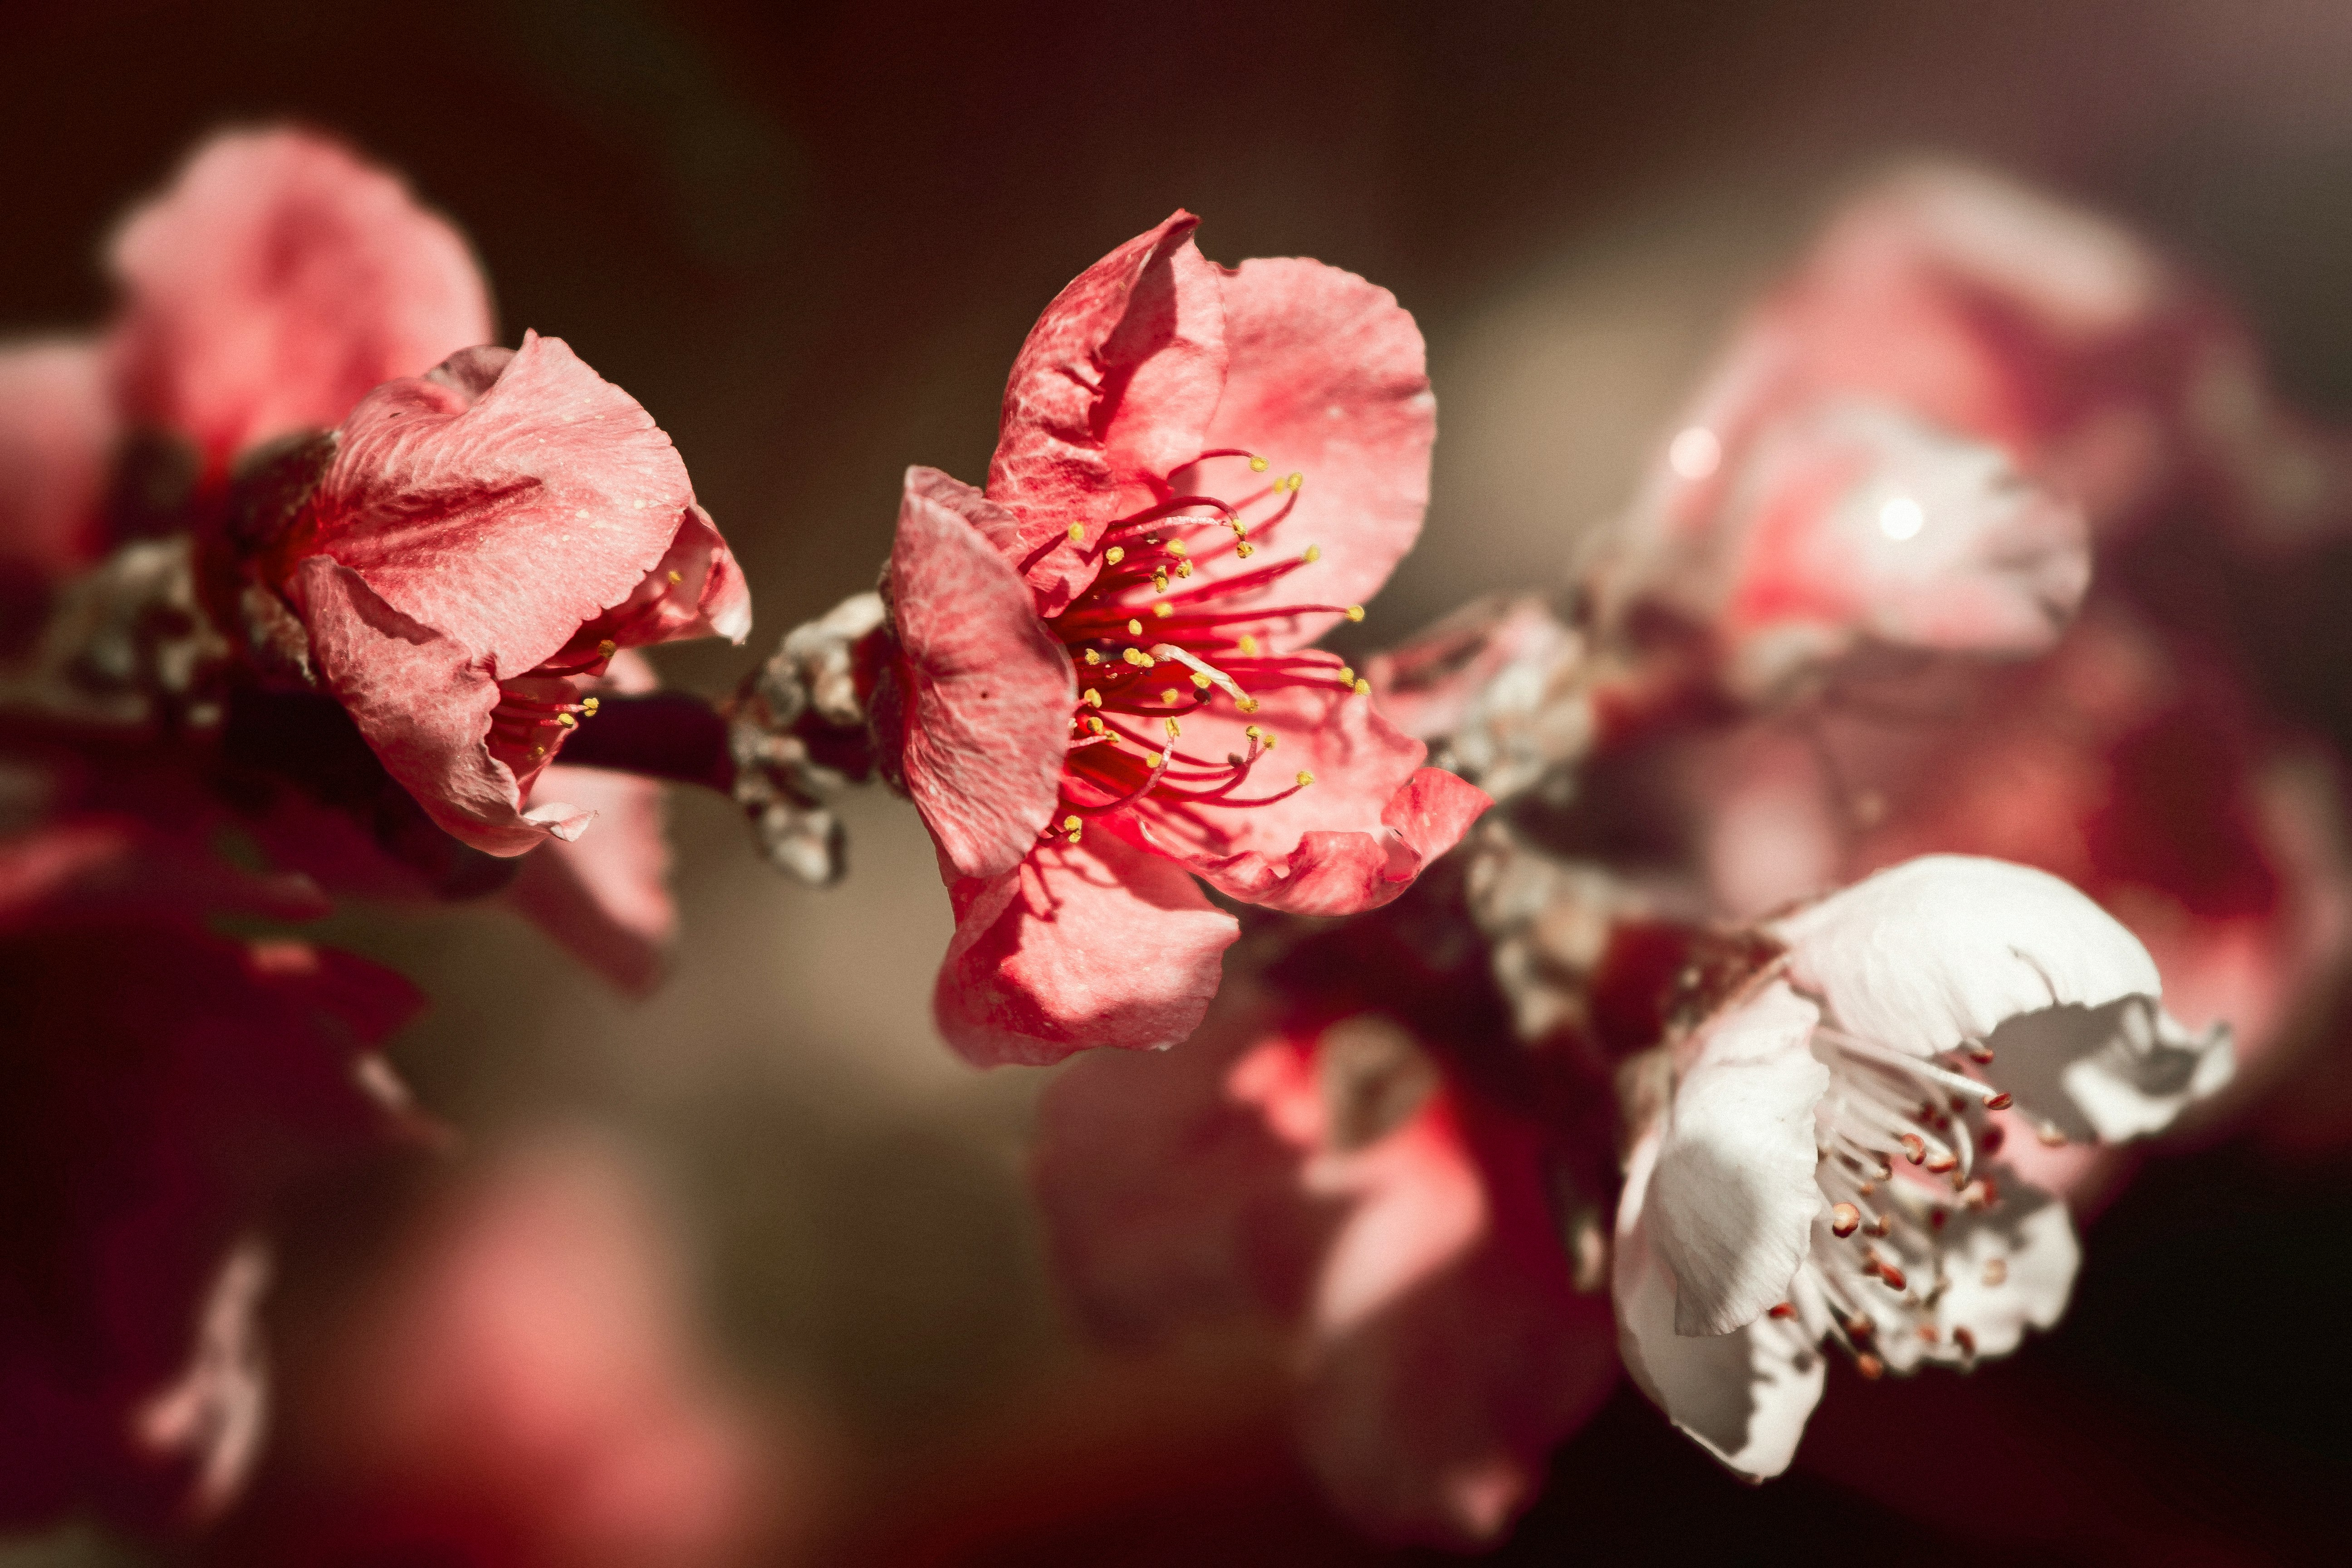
{"x":809,"y":239}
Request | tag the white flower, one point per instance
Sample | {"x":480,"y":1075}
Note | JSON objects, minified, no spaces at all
{"x":1823,"y":1170}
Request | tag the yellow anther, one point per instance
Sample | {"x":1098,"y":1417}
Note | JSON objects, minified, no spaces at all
{"x":1183,"y":568}
{"x":1073,"y":838}
{"x":1174,"y":730}
{"x":1249,"y":645}
{"x":1176,"y":548}
{"x":1364,"y":688}
{"x":1254,"y":733}
{"x":1305,"y":778}
{"x":1245,"y":550}
{"x":1295,"y":480}
{"x":1136,"y":656}
{"x":1163,"y":609}
{"x":1093,"y":656}
{"x":539,"y":751}
{"x":1094,"y":698}
{"x":588,"y":705}
{"x":1314,"y":553}
{"x":1150,"y":758}
{"x":1347,"y":676}
{"x":1246,"y":704}
{"x":567,"y":721}
{"x":1172,"y":696}
{"x":1355,"y":611}
{"x":674,"y":579}
{"x":1257,"y":465}
{"x":1199,"y":680}
{"x":1096,"y":725}
{"x":1071,"y":825}
{"x":1271,"y":740}
{"x":1160,"y":581}
{"x":607,"y":648}
{"x":1115,"y":555}
{"x":1078,"y":532}
{"x":1135,"y":629}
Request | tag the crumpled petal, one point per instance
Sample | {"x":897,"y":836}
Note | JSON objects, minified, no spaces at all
{"x":508,"y":523}
{"x":604,"y":897}
{"x":2000,"y":1271}
{"x":1114,"y":386}
{"x":1733,"y":1202}
{"x":1743,"y":1396}
{"x":2112,"y":1073}
{"x":1948,"y":948}
{"x":56,"y":433}
{"x":992,"y":690}
{"x":1326,"y":378}
{"x":278,"y":280}
{"x":1079,"y":945}
{"x":1350,"y":840}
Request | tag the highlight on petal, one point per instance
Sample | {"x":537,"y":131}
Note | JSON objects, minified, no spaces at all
{"x":1327,"y":380}
{"x":1733,"y":1202}
{"x":1948,"y":948}
{"x":57,"y":433}
{"x":1115,"y":384}
{"x":275,"y":282}
{"x":990,"y":690}
{"x":1743,"y":1395}
{"x":1078,"y":946}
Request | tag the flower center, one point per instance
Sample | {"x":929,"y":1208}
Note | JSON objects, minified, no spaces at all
{"x":1155,"y":640}
{"x":538,"y":711}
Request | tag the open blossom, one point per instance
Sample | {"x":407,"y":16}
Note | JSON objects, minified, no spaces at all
{"x":1828,"y":1167}
{"x":486,"y":537}
{"x":1107,"y":684}
{"x":1314,"y":1163}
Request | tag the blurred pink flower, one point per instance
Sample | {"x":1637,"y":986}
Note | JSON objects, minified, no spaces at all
{"x":1776,"y":1207}
{"x":1316,"y":1167}
{"x":1101,"y":546}
{"x":167,"y":1088}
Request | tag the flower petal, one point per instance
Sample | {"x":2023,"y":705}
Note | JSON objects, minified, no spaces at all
{"x":2111,"y":1073}
{"x":1112,"y":390}
{"x":604,"y":898}
{"x":275,"y":282}
{"x":56,"y":433}
{"x":1948,"y":948}
{"x":1326,"y":379}
{"x":991,"y":691}
{"x":1078,"y":946}
{"x":508,"y":524}
{"x":1350,"y":840}
{"x":1735,"y":1198}
{"x":1743,"y":1396}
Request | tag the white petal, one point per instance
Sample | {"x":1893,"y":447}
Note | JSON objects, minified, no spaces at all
{"x":1949,"y":947}
{"x":2007,"y":1269}
{"x":1743,"y":1396}
{"x":1736,"y":1191}
{"x":2110,"y":1073}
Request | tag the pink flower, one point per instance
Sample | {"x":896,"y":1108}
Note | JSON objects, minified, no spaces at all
{"x":1092,"y":642}
{"x":159,"y":1106}
{"x":487,"y":538}
{"x":1313,"y":1163}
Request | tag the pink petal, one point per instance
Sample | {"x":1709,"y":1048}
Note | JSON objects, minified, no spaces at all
{"x":604,"y":898}
{"x":1352,"y":840}
{"x":1112,"y":390}
{"x":1428,"y":685}
{"x":991,"y":691}
{"x":275,"y":282}
{"x":508,"y":524}
{"x":56,"y":434}
{"x":1326,"y":379}
{"x":1078,"y":946}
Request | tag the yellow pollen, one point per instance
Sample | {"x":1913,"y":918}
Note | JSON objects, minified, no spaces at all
{"x":1135,"y":629}
{"x":567,"y":721}
{"x":674,"y":579}
{"x":1347,"y":676}
{"x":1115,"y":555}
{"x":1249,"y":645}
{"x":1150,"y":758}
{"x":1093,"y":658}
{"x":1254,"y":733}
{"x":607,"y":648}
{"x":1094,"y":698}
{"x":1246,"y":704}
{"x":1163,"y":609}
{"x":1257,"y":465}
{"x":1314,"y":553}
{"x":1364,"y":688}
{"x":1355,"y":611}
{"x":1172,"y":696}
{"x":1174,"y":730}
{"x":1305,"y":778}
{"x":1073,"y":838}
{"x":1245,"y":550}
{"x":589,"y":705}
{"x":1160,"y":581}
{"x":1199,"y":680}
{"x":1176,"y":547}
{"x":1095,"y":724}
{"x":1296,"y":480}
{"x":1183,"y":568}
{"x":1078,"y":532}
{"x":539,"y":751}
{"x":1270,"y":739}
{"x":1071,"y":825}
{"x":1136,"y":656}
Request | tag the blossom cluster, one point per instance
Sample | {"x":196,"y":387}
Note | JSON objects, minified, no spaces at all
{"x":1756,"y":951}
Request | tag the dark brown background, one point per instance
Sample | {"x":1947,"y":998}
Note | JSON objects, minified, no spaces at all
{"x":809,"y":239}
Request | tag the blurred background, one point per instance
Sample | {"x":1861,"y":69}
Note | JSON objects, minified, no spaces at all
{"x":809,"y":238}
